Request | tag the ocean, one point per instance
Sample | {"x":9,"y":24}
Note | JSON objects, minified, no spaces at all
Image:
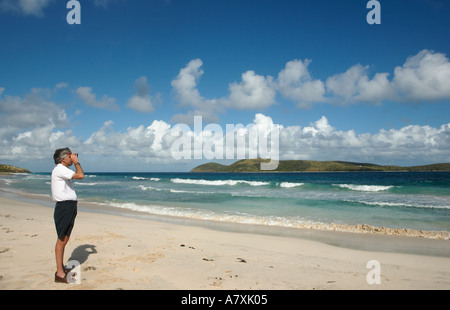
{"x":417,"y":201}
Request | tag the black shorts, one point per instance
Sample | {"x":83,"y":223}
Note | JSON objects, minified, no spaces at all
{"x":64,"y":216}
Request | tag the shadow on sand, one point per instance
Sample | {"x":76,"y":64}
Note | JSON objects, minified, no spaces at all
{"x":82,"y":252}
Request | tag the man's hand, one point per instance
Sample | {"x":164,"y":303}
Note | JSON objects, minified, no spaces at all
{"x":74,"y":158}
{"x":79,"y":174}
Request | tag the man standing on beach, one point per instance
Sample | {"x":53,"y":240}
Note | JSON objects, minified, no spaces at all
{"x":66,"y":203}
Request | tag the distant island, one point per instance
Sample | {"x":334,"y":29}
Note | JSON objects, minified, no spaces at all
{"x":253,"y":165}
{"x":12,"y":169}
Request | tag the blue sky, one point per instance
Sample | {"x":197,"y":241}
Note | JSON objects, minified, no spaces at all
{"x":110,"y":87}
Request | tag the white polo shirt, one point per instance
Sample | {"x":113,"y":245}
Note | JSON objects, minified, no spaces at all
{"x":62,"y":187}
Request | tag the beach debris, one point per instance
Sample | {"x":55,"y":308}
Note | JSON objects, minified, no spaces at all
{"x":240,"y":260}
{"x":208,"y":259}
{"x":217,"y":281}
{"x":230,"y":275}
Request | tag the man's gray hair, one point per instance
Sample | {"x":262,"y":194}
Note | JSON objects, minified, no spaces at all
{"x":60,"y":154}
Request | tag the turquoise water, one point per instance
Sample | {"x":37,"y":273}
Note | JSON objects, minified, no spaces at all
{"x":413,"y":200}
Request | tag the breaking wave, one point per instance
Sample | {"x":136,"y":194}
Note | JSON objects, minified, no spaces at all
{"x":365,"y":188}
{"x":218,"y":182}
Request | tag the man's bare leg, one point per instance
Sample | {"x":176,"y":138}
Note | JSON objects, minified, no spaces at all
{"x":59,"y":254}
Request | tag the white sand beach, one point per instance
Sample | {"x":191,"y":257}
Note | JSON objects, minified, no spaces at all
{"x":117,"y":252}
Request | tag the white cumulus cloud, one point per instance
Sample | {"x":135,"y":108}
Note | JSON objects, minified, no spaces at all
{"x":89,"y":98}
{"x":141,"y":101}
{"x":425,"y":76}
{"x":321,"y":141}
{"x":187,"y":94}
{"x":25,"y":7}
{"x":295,"y":83}
{"x":316,"y":141}
{"x":32,"y":126}
{"x":254,"y":92}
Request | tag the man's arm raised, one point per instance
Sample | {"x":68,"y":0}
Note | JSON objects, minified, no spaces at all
{"x":79,"y":174}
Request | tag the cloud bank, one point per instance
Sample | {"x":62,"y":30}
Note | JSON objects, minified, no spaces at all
{"x":423,"y":77}
{"x":89,"y":98}
{"x":34,"y":124}
{"x":25,"y":7}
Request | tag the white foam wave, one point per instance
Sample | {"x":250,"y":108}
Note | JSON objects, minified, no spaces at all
{"x":212,"y":216}
{"x":86,"y":183}
{"x":386,"y":204}
{"x":178,"y":191}
{"x":365,"y":188}
{"x":152,"y":209}
{"x":142,"y":178}
{"x":9,"y":181}
{"x":35,"y":176}
{"x":149,"y":188}
{"x":290,"y":184}
{"x":218,"y":182}
{"x":294,"y":222}
{"x":403,"y":204}
{"x":175,"y":191}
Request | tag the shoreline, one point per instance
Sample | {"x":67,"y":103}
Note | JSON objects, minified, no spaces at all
{"x":359,"y":237}
{"x":269,"y":171}
{"x":119,"y":252}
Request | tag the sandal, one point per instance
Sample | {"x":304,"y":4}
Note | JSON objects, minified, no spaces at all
{"x":61,"y":280}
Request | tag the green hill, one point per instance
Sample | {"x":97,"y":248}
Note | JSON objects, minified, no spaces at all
{"x":12,"y":169}
{"x":253,"y":165}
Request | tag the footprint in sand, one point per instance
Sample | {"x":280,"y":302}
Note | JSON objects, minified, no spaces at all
{"x":89,"y":268}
